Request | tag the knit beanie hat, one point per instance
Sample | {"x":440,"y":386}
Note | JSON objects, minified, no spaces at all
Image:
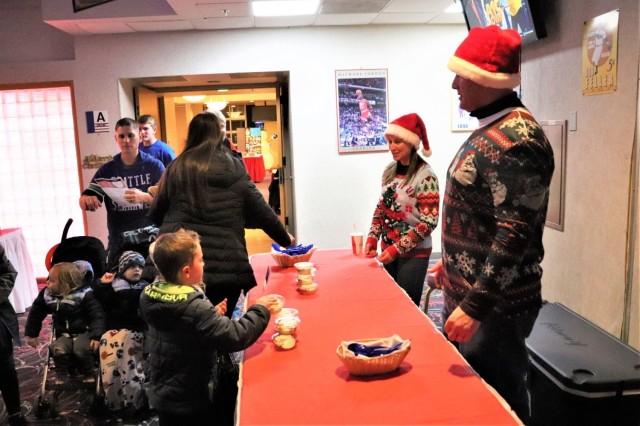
{"x":411,"y":129}
{"x":490,"y":57}
{"x":86,"y":270}
{"x":128,"y":259}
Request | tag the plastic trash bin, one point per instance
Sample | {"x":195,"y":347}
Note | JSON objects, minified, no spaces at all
{"x":580,"y":374}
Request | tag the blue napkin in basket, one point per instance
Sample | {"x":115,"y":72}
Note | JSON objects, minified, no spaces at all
{"x":294,"y":250}
{"x":373,"y":350}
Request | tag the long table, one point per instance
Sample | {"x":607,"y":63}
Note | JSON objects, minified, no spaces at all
{"x":25,"y":289}
{"x":308,"y":385}
{"x":255,"y":167}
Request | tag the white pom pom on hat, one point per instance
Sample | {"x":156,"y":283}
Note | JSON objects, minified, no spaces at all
{"x":411,"y":129}
{"x":490,"y":57}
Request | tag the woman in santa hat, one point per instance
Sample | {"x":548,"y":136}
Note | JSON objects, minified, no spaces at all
{"x":407,"y":212}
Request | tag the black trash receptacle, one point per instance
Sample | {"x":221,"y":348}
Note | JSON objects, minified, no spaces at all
{"x":580,"y":374}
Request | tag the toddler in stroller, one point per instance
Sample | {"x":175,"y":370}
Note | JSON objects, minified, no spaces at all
{"x":121,"y":347}
{"x":78,"y":319}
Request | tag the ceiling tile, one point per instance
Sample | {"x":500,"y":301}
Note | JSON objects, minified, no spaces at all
{"x":105,"y":27}
{"x":223,"y":23}
{"x":418,"y":6}
{"x":346,"y":19}
{"x":161,"y":26}
{"x":403,"y":18}
{"x":217,"y":10}
{"x":352,"y":6}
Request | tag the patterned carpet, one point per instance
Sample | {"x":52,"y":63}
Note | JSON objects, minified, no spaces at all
{"x":75,"y":404}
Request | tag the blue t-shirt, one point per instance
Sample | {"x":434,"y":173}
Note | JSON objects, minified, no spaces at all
{"x":113,"y":175}
{"x":159,"y":150}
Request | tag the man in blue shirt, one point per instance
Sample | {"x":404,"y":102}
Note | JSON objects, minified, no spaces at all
{"x":122,"y":184}
{"x":149,"y":144}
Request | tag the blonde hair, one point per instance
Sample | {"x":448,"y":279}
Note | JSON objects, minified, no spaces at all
{"x":174,"y":250}
{"x":69,"y":276}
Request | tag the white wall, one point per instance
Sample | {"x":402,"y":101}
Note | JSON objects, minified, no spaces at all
{"x":584,"y":266}
{"x":333,"y":192}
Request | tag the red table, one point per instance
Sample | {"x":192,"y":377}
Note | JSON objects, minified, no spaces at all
{"x":25,"y":289}
{"x":255,"y":167}
{"x":309,"y":385}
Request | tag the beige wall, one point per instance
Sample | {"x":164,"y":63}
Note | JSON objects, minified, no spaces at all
{"x":584,"y":265}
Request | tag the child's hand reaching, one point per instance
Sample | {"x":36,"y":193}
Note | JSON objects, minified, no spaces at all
{"x":222,"y":307}
{"x":107,"y":278}
{"x":33,"y":342}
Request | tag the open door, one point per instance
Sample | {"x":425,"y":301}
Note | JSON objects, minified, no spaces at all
{"x":285,"y":171}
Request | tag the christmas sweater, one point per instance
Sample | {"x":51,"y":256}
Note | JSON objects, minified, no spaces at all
{"x":407,"y":214}
{"x":494,"y":211}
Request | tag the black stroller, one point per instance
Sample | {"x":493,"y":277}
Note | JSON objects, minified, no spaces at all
{"x":71,"y":249}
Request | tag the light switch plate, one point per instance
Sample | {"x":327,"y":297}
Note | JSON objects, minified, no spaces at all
{"x":573,"y":121}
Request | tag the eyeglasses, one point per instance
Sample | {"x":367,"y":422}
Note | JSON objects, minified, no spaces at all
{"x":130,"y":135}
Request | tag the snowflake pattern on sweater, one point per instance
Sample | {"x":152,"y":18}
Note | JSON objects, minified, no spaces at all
{"x":406,"y":215}
{"x":494,"y":211}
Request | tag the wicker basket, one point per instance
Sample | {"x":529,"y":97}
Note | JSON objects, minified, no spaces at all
{"x":286,"y":261}
{"x":363,"y":366}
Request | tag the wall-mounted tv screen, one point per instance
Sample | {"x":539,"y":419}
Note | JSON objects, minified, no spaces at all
{"x":520,"y":15}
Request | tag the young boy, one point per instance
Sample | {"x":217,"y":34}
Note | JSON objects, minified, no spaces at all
{"x":121,"y":347}
{"x":78,"y":319}
{"x":151,"y":145}
{"x":185,"y":330}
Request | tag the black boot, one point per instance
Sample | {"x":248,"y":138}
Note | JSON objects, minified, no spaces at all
{"x":17,"y":419}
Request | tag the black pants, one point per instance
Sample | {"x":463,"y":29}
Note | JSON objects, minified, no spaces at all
{"x":8,"y":376}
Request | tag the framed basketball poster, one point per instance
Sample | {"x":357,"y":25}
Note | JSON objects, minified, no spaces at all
{"x":363,"y":110}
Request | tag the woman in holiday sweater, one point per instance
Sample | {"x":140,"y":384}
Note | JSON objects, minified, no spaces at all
{"x":407,"y":212}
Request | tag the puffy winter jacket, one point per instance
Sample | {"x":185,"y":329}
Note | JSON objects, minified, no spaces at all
{"x":184,"y":333}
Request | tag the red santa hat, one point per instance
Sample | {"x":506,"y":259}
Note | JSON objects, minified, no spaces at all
{"x":411,"y":129}
{"x":490,"y":57}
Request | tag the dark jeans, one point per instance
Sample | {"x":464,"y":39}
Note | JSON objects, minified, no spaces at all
{"x":498,"y":353}
{"x":8,"y":376}
{"x":76,"y":351}
{"x":409,"y":273}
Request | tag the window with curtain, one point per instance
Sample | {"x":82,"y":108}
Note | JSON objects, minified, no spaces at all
{"x":39,"y":173}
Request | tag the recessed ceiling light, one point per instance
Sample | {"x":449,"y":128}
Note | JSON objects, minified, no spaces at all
{"x":223,"y":90}
{"x":284,"y":7}
{"x":194,"y":98}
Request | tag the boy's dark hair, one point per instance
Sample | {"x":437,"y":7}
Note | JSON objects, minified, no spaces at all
{"x":174,"y":250}
{"x":126,"y":121}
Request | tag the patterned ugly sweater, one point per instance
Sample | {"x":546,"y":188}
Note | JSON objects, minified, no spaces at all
{"x":407,"y":214}
{"x":494,"y":211}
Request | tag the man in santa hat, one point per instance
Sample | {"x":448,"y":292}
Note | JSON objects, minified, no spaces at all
{"x":494,"y":211}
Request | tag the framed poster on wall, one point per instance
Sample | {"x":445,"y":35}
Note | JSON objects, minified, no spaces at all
{"x":363,"y":110}
{"x":556,"y":131}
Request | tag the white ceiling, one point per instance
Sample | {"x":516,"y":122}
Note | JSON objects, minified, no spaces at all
{"x":128,"y":16}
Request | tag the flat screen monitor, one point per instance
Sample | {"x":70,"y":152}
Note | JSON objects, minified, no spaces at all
{"x":520,"y":15}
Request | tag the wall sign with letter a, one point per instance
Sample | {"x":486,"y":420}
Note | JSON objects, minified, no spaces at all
{"x":97,"y":121}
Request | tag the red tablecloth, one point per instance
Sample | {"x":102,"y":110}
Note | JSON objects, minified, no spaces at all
{"x":255,"y":167}
{"x":25,"y":289}
{"x":309,"y":385}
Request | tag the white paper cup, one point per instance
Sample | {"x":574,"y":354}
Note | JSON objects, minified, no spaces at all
{"x":357,"y":238}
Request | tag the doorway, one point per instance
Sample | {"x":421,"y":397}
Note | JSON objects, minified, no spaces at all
{"x":255,"y":106}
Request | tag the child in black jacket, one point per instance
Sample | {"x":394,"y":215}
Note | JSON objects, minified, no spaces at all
{"x":180,"y":320}
{"x":121,"y":347}
{"x":78,"y":319}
